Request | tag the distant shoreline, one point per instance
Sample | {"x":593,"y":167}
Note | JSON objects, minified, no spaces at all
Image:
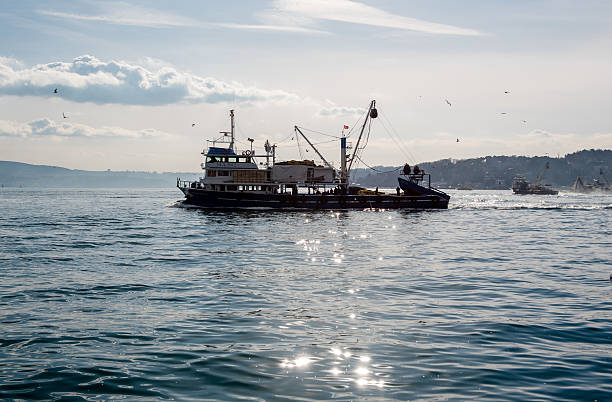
{"x":488,"y":172}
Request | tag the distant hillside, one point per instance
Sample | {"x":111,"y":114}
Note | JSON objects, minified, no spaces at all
{"x":16,"y":174}
{"x":490,"y":172}
{"x":497,"y":172}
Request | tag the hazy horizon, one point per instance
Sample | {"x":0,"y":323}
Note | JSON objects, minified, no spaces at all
{"x":520,"y":78}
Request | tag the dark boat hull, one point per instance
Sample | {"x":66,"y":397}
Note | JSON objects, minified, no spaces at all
{"x":414,"y":189}
{"x":247,"y":200}
{"x":543,"y":191}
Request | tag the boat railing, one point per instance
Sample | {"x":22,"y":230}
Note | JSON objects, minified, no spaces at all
{"x":418,"y":177}
{"x":187,"y":183}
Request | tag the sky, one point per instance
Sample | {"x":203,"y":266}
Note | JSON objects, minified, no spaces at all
{"x":143,"y":85}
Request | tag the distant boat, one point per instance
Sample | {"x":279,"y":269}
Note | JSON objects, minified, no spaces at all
{"x":464,"y":187}
{"x":234,"y":180}
{"x":601,"y":185}
{"x":521,"y":186}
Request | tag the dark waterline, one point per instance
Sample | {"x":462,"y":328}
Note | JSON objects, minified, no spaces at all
{"x":120,"y":294}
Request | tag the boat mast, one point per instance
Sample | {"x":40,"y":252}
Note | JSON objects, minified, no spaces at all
{"x":372,"y":113}
{"x":343,"y":178}
{"x":232,"y":130}
{"x":297,"y":129}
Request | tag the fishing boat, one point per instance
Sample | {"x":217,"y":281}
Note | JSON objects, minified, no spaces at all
{"x":520,"y":185}
{"x":599,"y":185}
{"x":234,"y":180}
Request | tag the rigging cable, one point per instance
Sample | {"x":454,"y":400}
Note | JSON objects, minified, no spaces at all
{"x":356,"y":124}
{"x":397,"y":139}
{"x":286,"y":138}
{"x":297,"y":140}
{"x":379,"y":171}
{"x":318,"y":132}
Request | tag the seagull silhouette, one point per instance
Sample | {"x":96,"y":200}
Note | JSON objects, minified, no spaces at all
{"x":55,"y":91}
{"x":506,"y":92}
{"x":524,"y":121}
{"x":64,"y":115}
{"x":503,"y":113}
{"x":192,"y":124}
{"x":457,"y":139}
{"x":449,"y":104}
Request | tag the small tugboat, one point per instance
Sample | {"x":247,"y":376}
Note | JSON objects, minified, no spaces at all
{"x":521,"y":186}
{"x":234,"y":181}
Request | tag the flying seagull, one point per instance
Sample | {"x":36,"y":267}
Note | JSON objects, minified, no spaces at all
{"x":449,"y":104}
{"x":192,"y":124}
{"x":457,"y":139}
{"x":64,"y":115}
{"x":503,"y":113}
{"x":524,"y":121}
{"x":506,"y":92}
{"x":55,"y":91}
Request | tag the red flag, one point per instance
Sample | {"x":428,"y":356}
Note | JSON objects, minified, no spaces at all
{"x":346,"y":127}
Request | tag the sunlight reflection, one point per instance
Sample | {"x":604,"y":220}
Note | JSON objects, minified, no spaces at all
{"x":364,"y":381}
{"x":365,"y":359}
{"x":352,"y":316}
{"x":301,"y":361}
{"x":362,"y":371}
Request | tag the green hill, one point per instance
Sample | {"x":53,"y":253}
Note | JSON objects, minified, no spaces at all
{"x":497,"y":172}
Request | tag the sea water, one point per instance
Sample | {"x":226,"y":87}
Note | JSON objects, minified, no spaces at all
{"x":122,"y":294}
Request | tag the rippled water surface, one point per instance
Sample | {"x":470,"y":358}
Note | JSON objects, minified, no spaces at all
{"x":121,"y":294}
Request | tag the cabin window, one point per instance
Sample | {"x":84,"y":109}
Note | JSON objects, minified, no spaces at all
{"x":231,"y":188}
{"x":221,"y":188}
{"x":231,"y":159}
{"x":240,"y":188}
{"x":211,"y":159}
{"x":211,"y":173}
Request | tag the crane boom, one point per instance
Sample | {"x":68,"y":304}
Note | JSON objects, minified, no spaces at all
{"x":313,"y":147}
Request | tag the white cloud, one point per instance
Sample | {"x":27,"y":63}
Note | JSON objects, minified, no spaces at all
{"x":52,"y":129}
{"x":9,"y":61}
{"x":151,"y":82}
{"x":308,"y":11}
{"x":281,"y":28}
{"x":119,"y":13}
{"x":88,"y":79}
{"x":330,"y":109}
